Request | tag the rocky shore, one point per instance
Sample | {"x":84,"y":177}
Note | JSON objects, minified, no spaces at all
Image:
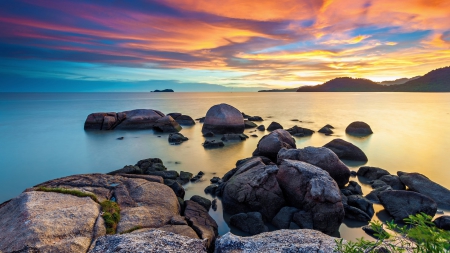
{"x":304,"y":193}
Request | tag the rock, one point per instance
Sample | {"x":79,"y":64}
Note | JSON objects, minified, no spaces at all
{"x":94,"y":121}
{"x":329,"y":126}
{"x":251,"y":222}
{"x":223,"y":119}
{"x":300,"y":131}
{"x":214,"y":205}
{"x":443,"y":222}
{"x":421,"y":184}
{"x":150,"y":178}
{"x":185,"y":176}
{"x":228,"y":175}
{"x":211,"y":189}
{"x":254,"y":135}
{"x":358,"y":128}
{"x":177,"y":138}
{"x":168,"y":174}
{"x":393,"y":181}
{"x":208,"y":134}
{"x":274,"y":126}
{"x":373,"y":195}
{"x":401,"y":204}
{"x":377,"y":184}
{"x":354,"y":213}
{"x":213,"y":144}
{"x":165,"y":90}
{"x":304,"y":240}
{"x":215,"y":179}
{"x":151,"y":164}
{"x":361,"y":203}
{"x":255,"y":118}
{"x":284,"y":217}
{"x":234,"y":137}
{"x":354,"y":189}
{"x":270,"y":144}
{"x":368,"y":229}
{"x":120,"y":138}
{"x":183,"y":230}
{"x":206,"y":203}
{"x":261,"y":128}
{"x":167,"y":124}
{"x":325,"y":130}
{"x":127,"y":169}
{"x":197,"y":177}
{"x":264,"y":159}
{"x":303,"y":219}
{"x":249,"y":124}
{"x":48,"y":222}
{"x":346,"y":150}
{"x":310,"y":188}
{"x":371,"y":173}
{"x":176,"y":187}
{"x":322,"y":158}
{"x":182,"y":119}
{"x":353,"y":173}
{"x":161,"y":241}
{"x":199,"y":219}
{"x":139,"y":119}
{"x":253,"y":187}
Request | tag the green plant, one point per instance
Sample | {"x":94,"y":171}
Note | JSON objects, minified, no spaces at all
{"x":111,"y":215}
{"x":419,"y":235}
{"x":77,"y":193}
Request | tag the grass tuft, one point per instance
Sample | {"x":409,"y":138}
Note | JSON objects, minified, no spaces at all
{"x":111,"y":215}
{"x":68,"y":191}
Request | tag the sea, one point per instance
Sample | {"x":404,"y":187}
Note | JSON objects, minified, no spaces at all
{"x":42,"y":136}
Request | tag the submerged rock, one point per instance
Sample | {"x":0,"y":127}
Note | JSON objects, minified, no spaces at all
{"x":234,"y":137}
{"x":255,"y":118}
{"x":251,"y":222}
{"x":401,"y":204}
{"x":358,"y":128}
{"x":304,"y":240}
{"x":320,"y":157}
{"x":372,"y":173}
{"x":325,"y":130}
{"x":270,"y":144}
{"x":420,"y":183}
{"x":177,"y":138}
{"x":346,"y":150}
{"x":261,"y":128}
{"x":249,"y":124}
{"x":213,"y":144}
{"x":223,"y":119}
{"x":274,"y":126}
{"x":300,"y":131}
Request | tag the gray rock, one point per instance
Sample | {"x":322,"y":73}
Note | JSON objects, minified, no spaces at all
{"x":151,"y":164}
{"x":206,"y":203}
{"x":420,"y":183}
{"x":373,"y":195}
{"x":377,"y":184}
{"x":300,"y":131}
{"x":304,"y":240}
{"x":234,"y":137}
{"x":223,"y":119}
{"x":310,"y":188}
{"x":303,"y":219}
{"x":353,"y":188}
{"x":211,"y":189}
{"x":371,"y":173}
{"x":213,"y":144}
{"x":176,"y":187}
{"x":182,"y":119}
{"x":264,"y":159}
{"x":161,"y":241}
{"x":185,"y":176}
{"x":139,"y":119}
{"x":261,"y":128}
{"x":284,"y":217}
{"x":215,"y":180}
{"x":362,"y":204}
{"x":203,"y":224}
{"x":251,"y":222}
{"x":127,"y":169}
{"x":167,"y":124}
{"x":255,"y":118}
{"x":322,"y":158}
{"x":401,"y":204}
{"x":346,"y":150}
{"x":253,"y":187}
{"x":354,"y":213}
{"x":183,"y":230}
{"x":208,"y":134}
{"x":274,"y":126}
{"x":358,"y":128}
{"x":393,"y":181}
{"x":325,"y":130}
{"x":168,"y":174}
{"x":443,"y":222}
{"x":270,"y":144}
{"x":177,"y":138}
{"x":249,"y":124}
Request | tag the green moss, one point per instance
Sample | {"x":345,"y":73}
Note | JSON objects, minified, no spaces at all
{"x":131,"y":229}
{"x":111,"y":215}
{"x":68,"y":191}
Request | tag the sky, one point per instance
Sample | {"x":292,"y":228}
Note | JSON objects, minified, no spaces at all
{"x":216,"y":45}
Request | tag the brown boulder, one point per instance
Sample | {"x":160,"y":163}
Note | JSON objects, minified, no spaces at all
{"x":223,"y":119}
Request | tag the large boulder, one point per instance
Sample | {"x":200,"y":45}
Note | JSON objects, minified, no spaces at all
{"x":251,"y":222}
{"x":150,"y":241}
{"x":182,"y":119}
{"x":393,"y":181}
{"x":311,"y":189}
{"x":358,"y":128}
{"x":420,"y":183}
{"x":223,"y":119}
{"x":270,"y":144}
{"x":443,"y":222}
{"x":274,"y":126}
{"x":346,"y":150}
{"x":203,"y":224}
{"x":48,"y":222}
{"x":167,"y":124}
{"x":320,"y":157}
{"x":401,"y":204}
{"x":371,"y":173}
{"x":103,"y":120}
{"x":139,"y":119}
{"x":253,"y":188}
{"x":304,"y":240}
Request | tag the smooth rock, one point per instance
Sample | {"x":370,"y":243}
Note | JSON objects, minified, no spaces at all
{"x":354,"y":213}
{"x":211,"y":189}
{"x":303,"y":240}
{"x":303,"y":219}
{"x":249,"y":124}
{"x":177,"y":138}
{"x":176,"y":187}
{"x":325,"y":130}
{"x":206,"y":203}
{"x":261,"y":128}
{"x":371,"y":173}
{"x":203,"y":224}
{"x":234,"y":137}
{"x":223,"y":119}
{"x":443,"y":222}
{"x":184,"y":120}
{"x":310,"y":188}
{"x":401,"y":204}
{"x":284,"y":217}
{"x":300,"y":131}
{"x":373,"y":195}
{"x":420,"y":183}
{"x":361,"y":203}
{"x":353,"y":187}
{"x":251,"y":222}
{"x":358,"y":128}
{"x":393,"y":181}
{"x":346,"y":150}
{"x":213,"y":144}
{"x":183,"y":230}
{"x":270,"y":144}
{"x":208,"y":134}
{"x":274,"y":126}
{"x":168,"y":174}
{"x":255,"y":118}
{"x":320,"y":157}
{"x":139,"y":119}
{"x":167,"y":124}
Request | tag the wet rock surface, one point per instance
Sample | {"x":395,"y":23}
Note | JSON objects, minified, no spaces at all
{"x":274,"y":126}
{"x":300,"y":131}
{"x":401,"y":204}
{"x":358,"y":128}
{"x":223,"y":119}
{"x":346,"y":150}
{"x":270,"y":144}
{"x":372,"y":173}
{"x":421,"y":184}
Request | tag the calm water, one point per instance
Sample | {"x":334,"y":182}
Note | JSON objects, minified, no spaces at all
{"x":42,"y":135}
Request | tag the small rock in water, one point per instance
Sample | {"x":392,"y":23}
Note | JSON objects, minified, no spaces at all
{"x":213,"y":144}
{"x":214,"y":204}
{"x":215,"y":179}
{"x":261,"y":128}
{"x":254,"y":135}
{"x":120,"y":138}
{"x":294,"y":119}
{"x":208,"y":134}
{"x":325,"y":130}
{"x":439,"y":211}
{"x":274,"y":126}
{"x":353,"y":173}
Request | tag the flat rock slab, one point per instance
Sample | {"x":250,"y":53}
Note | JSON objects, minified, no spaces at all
{"x":304,"y":240}
{"x":150,"y":241}
{"x":421,"y":184}
{"x":401,"y":204}
{"x":48,"y":222}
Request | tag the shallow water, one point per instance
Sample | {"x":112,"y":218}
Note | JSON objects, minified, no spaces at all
{"x":42,"y":135}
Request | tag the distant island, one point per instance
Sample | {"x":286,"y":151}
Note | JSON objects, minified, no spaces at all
{"x":434,"y":81}
{"x":280,"y":90}
{"x":165,"y":90}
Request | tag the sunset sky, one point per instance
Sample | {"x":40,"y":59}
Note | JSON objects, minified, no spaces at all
{"x":48,"y":45}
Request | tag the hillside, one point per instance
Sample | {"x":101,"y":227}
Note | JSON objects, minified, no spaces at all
{"x":437,"y":80}
{"x":398,"y":81}
{"x":280,"y":90}
{"x":344,"y":84}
